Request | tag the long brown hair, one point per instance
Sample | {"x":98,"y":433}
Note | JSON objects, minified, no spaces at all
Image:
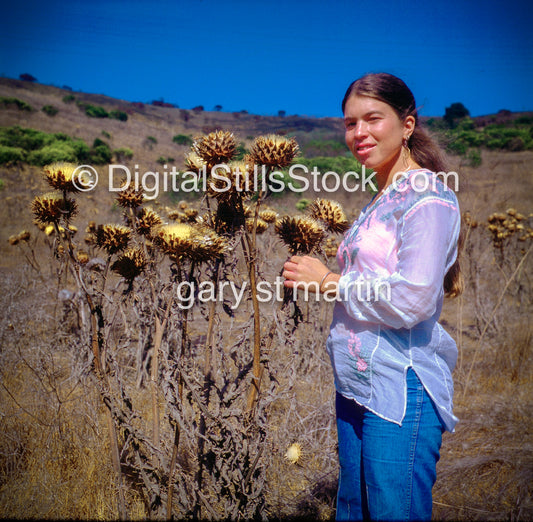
{"x":424,"y":150}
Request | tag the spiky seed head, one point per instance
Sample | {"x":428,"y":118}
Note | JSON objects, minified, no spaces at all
{"x":13,"y":240}
{"x":233,"y":181}
{"x":207,"y":245}
{"x":260,"y":227}
{"x":177,"y":215}
{"x":129,"y":197}
{"x":82,"y":257}
{"x":130,"y":264}
{"x":194,"y":162}
{"x":293,"y":453}
{"x":274,"y":151}
{"x":331,"y":247}
{"x":182,"y":205}
{"x":59,"y":176}
{"x":217,"y":147}
{"x":330,"y":213}
{"x":174,"y":239}
{"x":268,"y":215}
{"x":49,"y":230}
{"x":50,"y":208}
{"x":511,"y":211}
{"x":147,"y":220}
{"x":302,"y":234}
{"x":113,"y":238}
{"x":24,"y":235}
{"x":191,"y":214}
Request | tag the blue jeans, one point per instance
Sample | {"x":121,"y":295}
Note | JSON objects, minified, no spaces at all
{"x":387,"y":471}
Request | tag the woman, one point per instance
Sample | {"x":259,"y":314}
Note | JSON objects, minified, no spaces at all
{"x":392,"y":360}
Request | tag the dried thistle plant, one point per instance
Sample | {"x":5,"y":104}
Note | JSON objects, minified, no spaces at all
{"x":52,"y":207}
{"x":130,"y":264}
{"x":146,"y":221}
{"x":261,"y":225}
{"x":274,"y":151}
{"x":59,"y":176}
{"x":217,"y":147}
{"x":113,"y":238}
{"x":268,"y":215}
{"x":330,"y":213}
{"x":301,"y":234}
{"x":234,"y":181}
{"x":129,"y":197}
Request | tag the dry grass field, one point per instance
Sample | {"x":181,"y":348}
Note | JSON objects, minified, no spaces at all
{"x":62,"y":422}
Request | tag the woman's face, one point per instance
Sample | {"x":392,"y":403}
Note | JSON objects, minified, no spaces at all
{"x":374,"y":133}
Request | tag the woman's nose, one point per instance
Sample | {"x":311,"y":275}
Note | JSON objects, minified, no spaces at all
{"x":360,"y":129}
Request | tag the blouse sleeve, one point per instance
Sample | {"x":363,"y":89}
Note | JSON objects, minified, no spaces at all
{"x":426,"y":250}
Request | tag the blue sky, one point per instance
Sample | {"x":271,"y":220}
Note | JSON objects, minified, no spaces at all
{"x":264,"y":57}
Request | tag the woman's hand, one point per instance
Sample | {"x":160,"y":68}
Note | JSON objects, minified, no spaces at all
{"x":308,"y":272}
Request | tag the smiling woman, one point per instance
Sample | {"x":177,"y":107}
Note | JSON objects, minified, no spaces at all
{"x":392,"y":361}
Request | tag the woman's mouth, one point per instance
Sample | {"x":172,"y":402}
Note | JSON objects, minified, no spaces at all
{"x":363,"y":150}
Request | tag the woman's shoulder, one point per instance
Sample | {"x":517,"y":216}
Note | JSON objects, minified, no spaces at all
{"x":424,"y":186}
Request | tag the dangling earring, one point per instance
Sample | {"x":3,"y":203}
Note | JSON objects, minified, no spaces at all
{"x":407,"y":160}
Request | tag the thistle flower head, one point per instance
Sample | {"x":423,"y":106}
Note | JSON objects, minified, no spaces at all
{"x":234,"y":180}
{"x":207,"y":245}
{"x":217,"y":147}
{"x":293,"y":453}
{"x":194,"y":242}
{"x":194,"y":162}
{"x":82,"y":257}
{"x":50,"y":208}
{"x":112,"y":238}
{"x":129,"y":197}
{"x":330,"y":213}
{"x":268,"y":215}
{"x":146,"y":221}
{"x":260,"y":227}
{"x":274,"y":151}
{"x":331,"y":247}
{"x":302,"y":234}
{"x":59,"y":176}
{"x":130,"y":264}
{"x":174,"y":239}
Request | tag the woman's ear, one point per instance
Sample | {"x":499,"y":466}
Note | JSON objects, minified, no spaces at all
{"x":409,"y":126}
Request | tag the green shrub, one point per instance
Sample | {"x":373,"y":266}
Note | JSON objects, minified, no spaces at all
{"x":151,"y":139}
{"x":118,"y":115}
{"x":50,"y":110}
{"x":19,"y":104}
{"x":2,"y":185}
{"x":94,"y":111}
{"x":106,"y":134}
{"x":515,"y":144}
{"x":123,"y":153}
{"x":58,"y":151}
{"x":456,"y":147}
{"x":100,"y":154}
{"x":69,"y":98}
{"x":182,"y":139}
{"x":11,"y":155}
{"x":27,"y":139}
{"x":474,"y":157}
{"x":302,"y":204}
